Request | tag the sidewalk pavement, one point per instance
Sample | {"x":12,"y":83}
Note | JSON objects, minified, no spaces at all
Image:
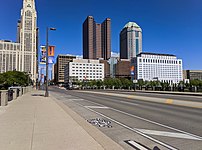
{"x":33,"y":122}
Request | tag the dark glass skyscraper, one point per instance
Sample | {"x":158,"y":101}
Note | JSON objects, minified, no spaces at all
{"x":96,"y":39}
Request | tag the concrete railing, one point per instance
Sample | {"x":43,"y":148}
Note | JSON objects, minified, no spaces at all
{"x":12,"y":94}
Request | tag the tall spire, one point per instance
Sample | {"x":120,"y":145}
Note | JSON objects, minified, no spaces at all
{"x":28,"y":38}
{"x":29,"y":4}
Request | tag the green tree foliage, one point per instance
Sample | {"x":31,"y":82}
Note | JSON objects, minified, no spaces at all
{"x":14,"y":78}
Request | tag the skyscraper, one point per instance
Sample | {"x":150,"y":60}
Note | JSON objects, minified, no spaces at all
{"x":106,"y":39}
{"x":96,"y":39}
{"x":130,"y":41}
{"x":27,"y":36}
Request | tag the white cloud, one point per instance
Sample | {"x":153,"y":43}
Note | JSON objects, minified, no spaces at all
{"x":114,"y":54}
{"x":79,"y":56}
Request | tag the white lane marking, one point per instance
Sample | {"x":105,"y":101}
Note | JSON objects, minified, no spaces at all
{"x":156,"y":123}
{"x":137,"y":145}
{"x":146,"y":120}
{"x":168,"y":134}
{"x":97,"y":107}
{"x":76,"y":99}
{"x":124,"y":102}
{"x":136,"y":131}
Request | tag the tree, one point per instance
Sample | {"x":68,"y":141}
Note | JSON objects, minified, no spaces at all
{"x":14,"y":78}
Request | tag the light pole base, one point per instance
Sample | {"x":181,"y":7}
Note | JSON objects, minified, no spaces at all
{"x":46,"y":94}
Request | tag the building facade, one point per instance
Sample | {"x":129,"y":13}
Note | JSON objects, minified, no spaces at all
{"x":96,"y":39}
{"x":84,"y":70}
{"x":27,"y":37}
{"x":123,"y":68}
{"x":62,"y":61}
{"x":161,"y":67}
{"x":130,"y":41}
{"x":106,"y":68}
{"x":9,"y":56}
{"x":192,"y":74}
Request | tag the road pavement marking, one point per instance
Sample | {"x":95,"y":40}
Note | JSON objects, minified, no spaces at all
{"x":132,"y":129}
{"x":168,"y":134}
{"x":76,"y":99}
{"x":130,"y":97}
{"x":147,"y":120}
{"x":127,"y":127}
{"x":97,"y":107}
{"x":152,"y":99}
{"x":124,"y":102}
{"x":169,"y":101}
{"x":156,"y":123}
{"x":136,"y":145}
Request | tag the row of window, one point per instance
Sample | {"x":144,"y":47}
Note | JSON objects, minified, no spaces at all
{"x":73,"y":64}
{"x":160,"y":61}
{"x":9,"y":47}
{"x":86,"y":70}
{"x":87,"y":67}
{"x":87,"y":73}
{"x":90,"y":77}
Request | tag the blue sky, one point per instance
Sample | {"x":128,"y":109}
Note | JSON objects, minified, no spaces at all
{"x":169,"y":26}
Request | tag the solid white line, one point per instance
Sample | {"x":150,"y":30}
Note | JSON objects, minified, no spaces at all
{"x":146,"y":120}
{"x":76,"y":99}
{"x":156,"y":123}
{"x":127,"y":127}
{"x":137,"y":145}
{"x":168,"y":134}
{"x":97,"y":107}
{"x":124,"y":102}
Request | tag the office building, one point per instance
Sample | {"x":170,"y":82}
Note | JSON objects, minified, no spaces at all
{"x":112,"y":63}
{"x":161,"y":67}
{"x":192,"y":74}
{"x":9,"y":56}
{"x":123,"y":68}
{"x":62,"y":61}
{"x":96,"y":39}
{"x":84,"y":70}
{"x":106,"y":68}
{"x":106,"y":39}
{"x":27,"y":36}
{"x":130,"y":41}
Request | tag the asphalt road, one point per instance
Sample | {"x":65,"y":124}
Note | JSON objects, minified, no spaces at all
{"x":170,"y":126}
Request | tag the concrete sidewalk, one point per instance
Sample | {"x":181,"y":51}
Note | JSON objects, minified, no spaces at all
{"x":33,"y":122}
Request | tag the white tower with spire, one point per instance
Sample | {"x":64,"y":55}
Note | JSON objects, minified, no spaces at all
{"x":28,"y":39}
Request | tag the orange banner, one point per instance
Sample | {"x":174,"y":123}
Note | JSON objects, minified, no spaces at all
{"x":51,"y":50}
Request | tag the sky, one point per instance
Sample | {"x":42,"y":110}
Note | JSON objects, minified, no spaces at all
{"x":169,"y":26}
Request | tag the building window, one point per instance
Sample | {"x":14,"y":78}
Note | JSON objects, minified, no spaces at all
{"x":136,"y":34}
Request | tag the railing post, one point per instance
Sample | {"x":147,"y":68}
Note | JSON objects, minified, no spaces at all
{"x":4,"y":98}
{"x":14,"y":94}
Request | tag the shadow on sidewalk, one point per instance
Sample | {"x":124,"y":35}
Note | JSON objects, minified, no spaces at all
{"x":38,"y":95}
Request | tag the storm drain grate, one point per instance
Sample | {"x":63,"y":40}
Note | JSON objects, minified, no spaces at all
{"x":100,"y":123}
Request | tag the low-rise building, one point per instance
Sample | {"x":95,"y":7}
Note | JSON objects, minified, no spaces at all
{"x":161,"y":67}
{"x":84,"y":70}
{"x":192,"y":74}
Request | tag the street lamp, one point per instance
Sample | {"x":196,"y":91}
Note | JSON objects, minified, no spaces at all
{"x":47,"y":29}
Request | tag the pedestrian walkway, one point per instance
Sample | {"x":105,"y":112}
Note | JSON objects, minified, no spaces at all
{"x":33,"y":122}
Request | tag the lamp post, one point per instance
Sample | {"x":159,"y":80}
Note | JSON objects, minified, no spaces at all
{"x":47,"y":29}
{"x":29,"y":73}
